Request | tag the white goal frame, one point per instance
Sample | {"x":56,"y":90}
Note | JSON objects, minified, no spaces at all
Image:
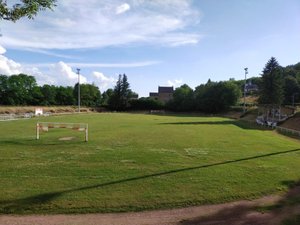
{"x":45,"y":126}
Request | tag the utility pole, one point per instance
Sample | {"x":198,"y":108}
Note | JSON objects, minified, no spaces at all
{"x":293,"y":99}
{"x":78,"y":72}
{"x":246,"y":72}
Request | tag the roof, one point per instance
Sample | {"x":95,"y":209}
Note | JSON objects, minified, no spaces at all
{"x":153,"y":94}
{"x":165,"y":89}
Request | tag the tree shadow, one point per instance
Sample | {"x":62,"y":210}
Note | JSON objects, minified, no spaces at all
{"x":238,"y":123}
{"x":32,"y":203}
{"x":283,"y":211}
{"x":33,"y":142}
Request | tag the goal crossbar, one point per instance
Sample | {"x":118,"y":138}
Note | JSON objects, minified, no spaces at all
{"x":45,"y":126}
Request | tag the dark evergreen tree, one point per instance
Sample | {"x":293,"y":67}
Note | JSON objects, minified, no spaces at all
{"x":121,"y":94}
{"x":271,"y":89}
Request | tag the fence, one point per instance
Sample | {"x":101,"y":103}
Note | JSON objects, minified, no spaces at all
{"x":6,"y":117}
{"x":288,"y":131}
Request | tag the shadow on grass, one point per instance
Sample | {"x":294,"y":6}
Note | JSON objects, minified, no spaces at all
{"x":47,"y":142}
{"x":34,"y":203}
{"x":238,"y":123}
{"x":284,"y":212}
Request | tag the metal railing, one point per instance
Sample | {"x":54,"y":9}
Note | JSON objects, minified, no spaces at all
{"x":288,"y":131}
{"x":5,"y":117}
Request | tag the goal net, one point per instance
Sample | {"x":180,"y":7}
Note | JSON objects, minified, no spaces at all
{"x":45,"y":126}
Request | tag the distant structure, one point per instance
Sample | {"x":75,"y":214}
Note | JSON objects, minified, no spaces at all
{"x":38,"y":111}
{"x":249,"y":87}
{"x":164,"y":94}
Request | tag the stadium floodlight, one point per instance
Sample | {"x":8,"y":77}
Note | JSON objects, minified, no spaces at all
{"x":78,"y":72}
{"x":246,"y":72}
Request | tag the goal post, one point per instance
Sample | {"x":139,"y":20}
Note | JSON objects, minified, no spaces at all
{"x":45,"y":126}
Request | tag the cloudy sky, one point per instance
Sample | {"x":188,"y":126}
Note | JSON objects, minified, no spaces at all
{"x":154,"y":42}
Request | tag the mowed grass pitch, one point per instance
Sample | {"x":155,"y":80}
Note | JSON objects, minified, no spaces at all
{"x":136,"y":162}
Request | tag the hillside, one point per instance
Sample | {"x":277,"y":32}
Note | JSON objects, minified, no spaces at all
{"x":292,"y":123}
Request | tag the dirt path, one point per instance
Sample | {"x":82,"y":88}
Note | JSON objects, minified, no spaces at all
{"x":235,"y":213}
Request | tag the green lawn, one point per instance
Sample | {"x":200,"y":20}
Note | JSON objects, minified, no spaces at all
{"x":135,"y":162}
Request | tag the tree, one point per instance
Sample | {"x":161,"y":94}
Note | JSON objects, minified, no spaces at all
{"x":216,"y":96}
{"x":106,"y":95}
{"x":64,"y":96}
{"x":3,"y":89}
{"x":183,"y":99}
{"x":271,"y":89}
{"x":36,"y":96}
{"x":121,"y":94}
{"x":146,"y":104}
{"x":89,"y":95}
{"x":49,"y":94}
{"x":17,"y":89}
{"x":291,"y":89}
{"x":25,"y":8}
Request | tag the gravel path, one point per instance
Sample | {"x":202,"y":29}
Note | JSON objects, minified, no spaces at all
{"x":234,"y":213}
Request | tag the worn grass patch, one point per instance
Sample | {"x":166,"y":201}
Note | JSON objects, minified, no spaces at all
{"x":134,"y":162}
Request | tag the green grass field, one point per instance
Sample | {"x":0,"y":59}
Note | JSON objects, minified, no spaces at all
{"x":136,"y":162}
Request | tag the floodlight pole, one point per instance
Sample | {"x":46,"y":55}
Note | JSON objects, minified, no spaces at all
{"x":293,"y":99}
{"x":246,"y":72}
{"x":78,"y":72}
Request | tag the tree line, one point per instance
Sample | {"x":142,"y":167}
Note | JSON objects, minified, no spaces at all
{"x":277,"y":85}
{"x":22,"y":89}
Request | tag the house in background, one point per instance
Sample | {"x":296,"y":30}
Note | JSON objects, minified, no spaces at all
{"x":249,"y":87}
{"x":164,"y":94}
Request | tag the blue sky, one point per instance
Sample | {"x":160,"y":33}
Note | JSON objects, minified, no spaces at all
{"x":153,"y":42}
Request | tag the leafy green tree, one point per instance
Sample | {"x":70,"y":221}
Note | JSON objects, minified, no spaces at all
{"x":18,"y":89}
{"x":89,"y":95}
{"x":291,"y":89}
{"x":183,"y":99}
{"x":216,"y":96}
{"x":145,"y":104}
{"x":49,"y":94}
{"x":23,"y":8}
{"x":64,"y":96}
{"x":106,"y":95}
{"x":37,"y":96}
{"x":3,"y":89}
{"x":271,"y":89}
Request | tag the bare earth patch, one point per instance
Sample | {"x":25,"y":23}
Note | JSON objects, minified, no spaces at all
{"x":66,"y":138}
{"x":235,"y":213}
{"x":292,"y":123}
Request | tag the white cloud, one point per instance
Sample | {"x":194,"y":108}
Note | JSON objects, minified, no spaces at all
{"x":174,"y":83}
{"x":8,"y":66}
{"x":103,"y":81}
{"x":58,"y":74}
{"x":64,"y":74}
{"x":102,"y":65}
{"x":93,"y":24}
{"x":122,"y":8}
{"x":2,"y":50}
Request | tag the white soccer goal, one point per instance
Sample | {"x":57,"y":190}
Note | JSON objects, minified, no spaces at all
{"x":45,"y":126}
